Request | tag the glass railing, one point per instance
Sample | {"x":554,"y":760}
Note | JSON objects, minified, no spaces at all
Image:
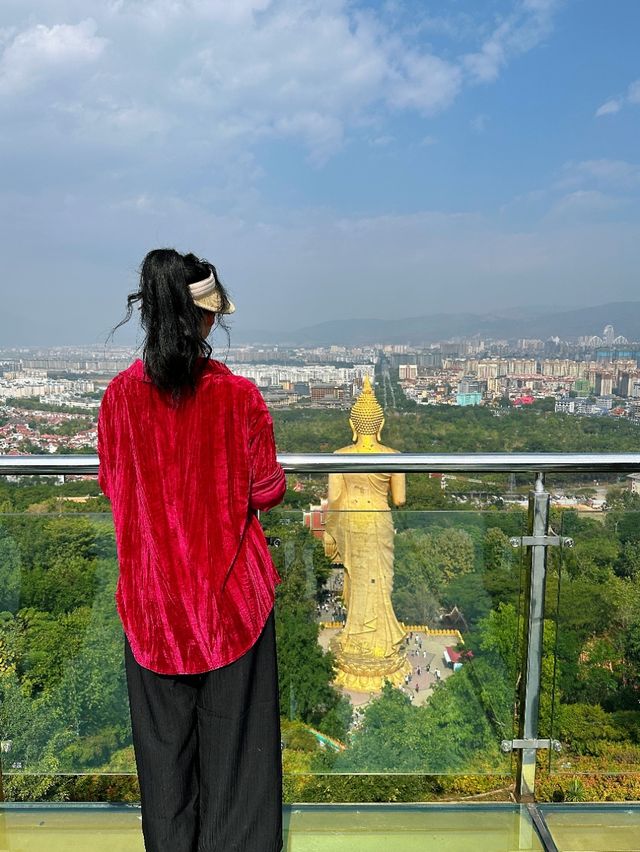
{"x":402,"y":660}
{"x":593,"y":697}
{"x":64,"y":706}
{"x":489,"y":639}
{"x":453,"y":590}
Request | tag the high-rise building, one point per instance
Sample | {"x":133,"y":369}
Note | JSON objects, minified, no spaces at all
{"x":491,"y":369}
{"x":469,"y":384}
{"x":469,"y":391}
{"x":604,"y":384}
{"x":522,"y":365}
{"x":408,"y":372}
{"x":530,"y":344}
{"x":560,"y":367}
{"x":429,"y":359}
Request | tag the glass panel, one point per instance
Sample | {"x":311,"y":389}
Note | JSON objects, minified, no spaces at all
{"x":596,"y":713}
{"x":455,"y":589}
{"x":338,"y":828}
{"x":64,"y":705}
{"x":412,"y":828}
{"x":597,"y":827}
{"x":398,"y":656}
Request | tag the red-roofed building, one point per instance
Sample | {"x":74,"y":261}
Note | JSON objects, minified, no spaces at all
{"x":454,"y":659}
{"x":316,"y":518}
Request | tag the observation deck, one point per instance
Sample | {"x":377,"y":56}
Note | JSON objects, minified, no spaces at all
{"x":531,"y":742}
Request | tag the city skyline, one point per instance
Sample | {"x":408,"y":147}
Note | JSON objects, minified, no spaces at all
{"x":511,"y":324}
{"x":335,"y":159}
{"x":49,"y":398}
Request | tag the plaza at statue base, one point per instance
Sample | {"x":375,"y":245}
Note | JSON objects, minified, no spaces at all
{"x":424,"y":661}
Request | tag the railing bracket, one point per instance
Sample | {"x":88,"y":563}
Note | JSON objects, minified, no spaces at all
{"x":541,"y":541}
{"x":514,"y":745}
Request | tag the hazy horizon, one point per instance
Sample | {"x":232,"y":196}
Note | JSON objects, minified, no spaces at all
{"x":131,"y":334}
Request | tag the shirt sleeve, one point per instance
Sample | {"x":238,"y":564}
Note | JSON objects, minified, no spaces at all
{"x":268,"y":483}
{"x":104,"y":456}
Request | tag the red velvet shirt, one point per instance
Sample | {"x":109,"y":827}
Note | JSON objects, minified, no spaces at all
{"x":196,"y":581}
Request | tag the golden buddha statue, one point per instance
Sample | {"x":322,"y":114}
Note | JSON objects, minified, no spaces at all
{"x":359,"y":534}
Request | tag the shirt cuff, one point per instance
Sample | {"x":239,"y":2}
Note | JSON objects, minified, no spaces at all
{"x":269,"y":492}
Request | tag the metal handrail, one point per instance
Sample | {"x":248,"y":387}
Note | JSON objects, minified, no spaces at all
{"x":369,"y":463}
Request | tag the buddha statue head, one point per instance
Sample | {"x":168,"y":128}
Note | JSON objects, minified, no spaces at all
{"x":367,"y":416}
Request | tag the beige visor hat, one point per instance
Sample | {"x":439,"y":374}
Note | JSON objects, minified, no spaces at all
{"x":206,"y":294}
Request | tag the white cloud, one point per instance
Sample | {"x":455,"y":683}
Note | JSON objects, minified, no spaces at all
{"x":153,"y":139}
{"x":633,"y":92}
{"x":234,"y":73}
{"x":615,"y":104}
{"x":609,"y":107}
{"x":585,"y":203}
{"x":40,"y":51}
{"x":395,"y":266}
{"x":322,"y":133}
{"x":609,"y":174}
{"x":424,"y":83}
{"x":583,"y":190}
{"x":163,"y":14}
{"x":382,"y":141}
{"x":524,"y":28}
{"x":116,"y":123}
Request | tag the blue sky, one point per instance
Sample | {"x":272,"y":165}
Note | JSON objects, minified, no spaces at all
{"x":333,"y":158}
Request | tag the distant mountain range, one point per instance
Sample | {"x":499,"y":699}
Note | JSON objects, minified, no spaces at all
{"x":511,"y":323}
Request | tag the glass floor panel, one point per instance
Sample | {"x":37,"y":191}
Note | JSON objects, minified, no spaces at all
{"x":594,"y":828}
{"x":412,"y":828}
{"x":308,"y":828}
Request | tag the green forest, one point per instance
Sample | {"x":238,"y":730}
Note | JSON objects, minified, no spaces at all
{"x":62,"y":691}
{"x":451,"y":429}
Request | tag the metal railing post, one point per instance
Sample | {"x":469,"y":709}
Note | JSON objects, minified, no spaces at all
{"x":533,"y":605}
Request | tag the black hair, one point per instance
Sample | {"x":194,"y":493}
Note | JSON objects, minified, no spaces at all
{"x":171,"y":319}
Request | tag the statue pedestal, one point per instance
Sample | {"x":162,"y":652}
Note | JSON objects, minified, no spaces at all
{"x":364,"y":672}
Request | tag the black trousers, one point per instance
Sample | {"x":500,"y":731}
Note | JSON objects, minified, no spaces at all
{"x":208,"y":754}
